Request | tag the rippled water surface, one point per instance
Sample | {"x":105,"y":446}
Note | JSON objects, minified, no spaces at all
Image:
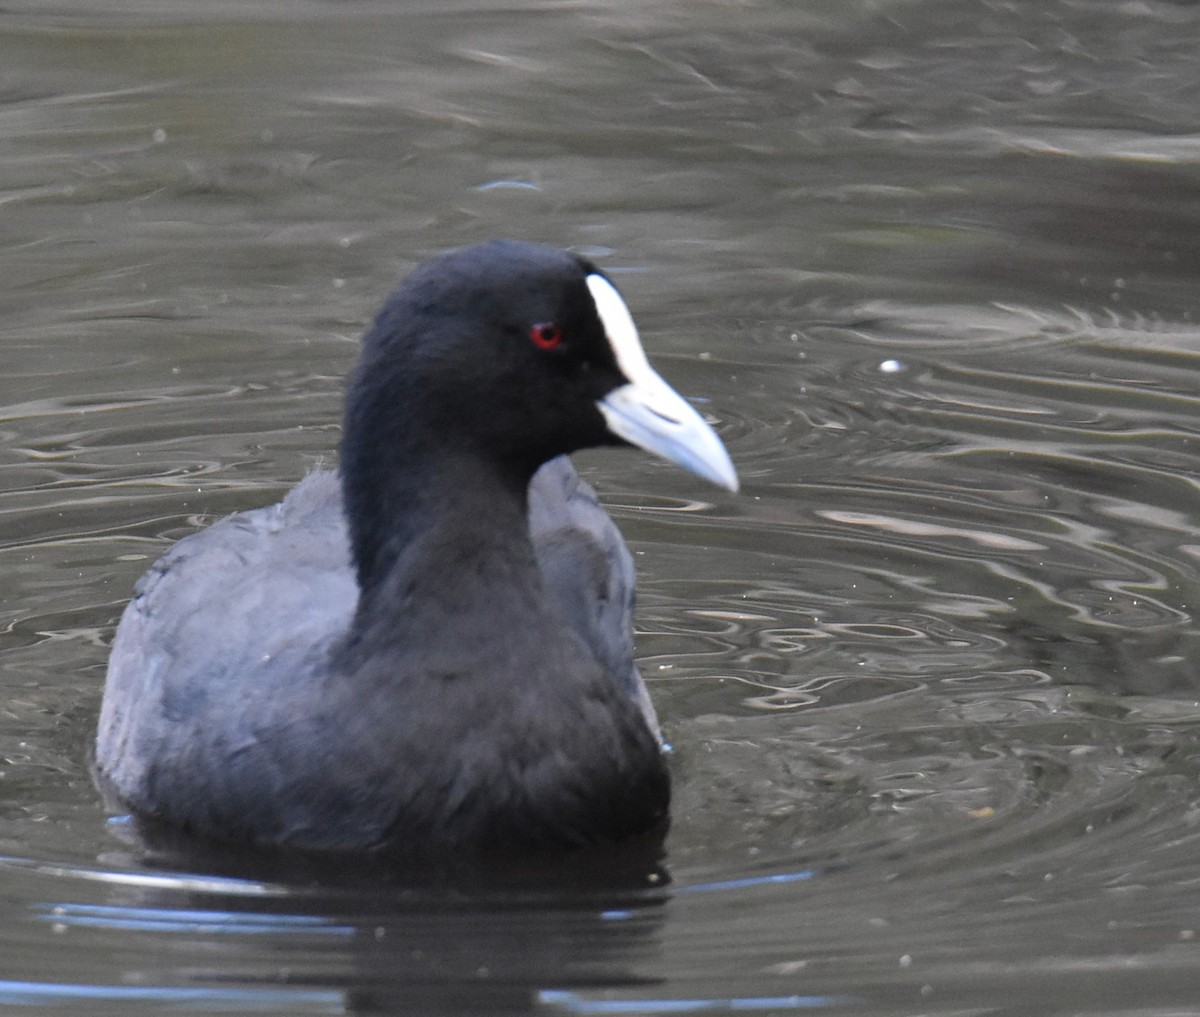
{"x":932,"y":679}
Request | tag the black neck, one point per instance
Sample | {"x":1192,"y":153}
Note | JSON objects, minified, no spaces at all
{"x":441,"y":535}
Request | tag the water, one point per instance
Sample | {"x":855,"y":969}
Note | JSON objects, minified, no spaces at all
{"x":930,"y":679}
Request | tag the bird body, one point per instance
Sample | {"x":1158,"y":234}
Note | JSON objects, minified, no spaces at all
{"x":430,"y":650}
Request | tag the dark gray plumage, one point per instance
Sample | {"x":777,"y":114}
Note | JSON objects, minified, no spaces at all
{"x":430,"y":650}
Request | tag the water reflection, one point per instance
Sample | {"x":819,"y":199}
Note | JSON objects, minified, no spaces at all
{"x":348,"y":942}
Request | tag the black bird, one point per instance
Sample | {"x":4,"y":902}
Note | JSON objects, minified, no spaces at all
{"x":430,"y":650}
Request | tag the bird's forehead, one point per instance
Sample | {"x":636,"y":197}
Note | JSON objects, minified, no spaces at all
{"x":621,"y":332}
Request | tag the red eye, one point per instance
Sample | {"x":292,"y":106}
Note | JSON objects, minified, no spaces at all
{"x":546,"y":336}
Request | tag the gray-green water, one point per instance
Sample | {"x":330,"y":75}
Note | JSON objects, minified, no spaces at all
{"x":932,"y":680}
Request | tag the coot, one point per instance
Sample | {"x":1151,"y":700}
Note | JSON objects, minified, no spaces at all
{"x":431,"y":649}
